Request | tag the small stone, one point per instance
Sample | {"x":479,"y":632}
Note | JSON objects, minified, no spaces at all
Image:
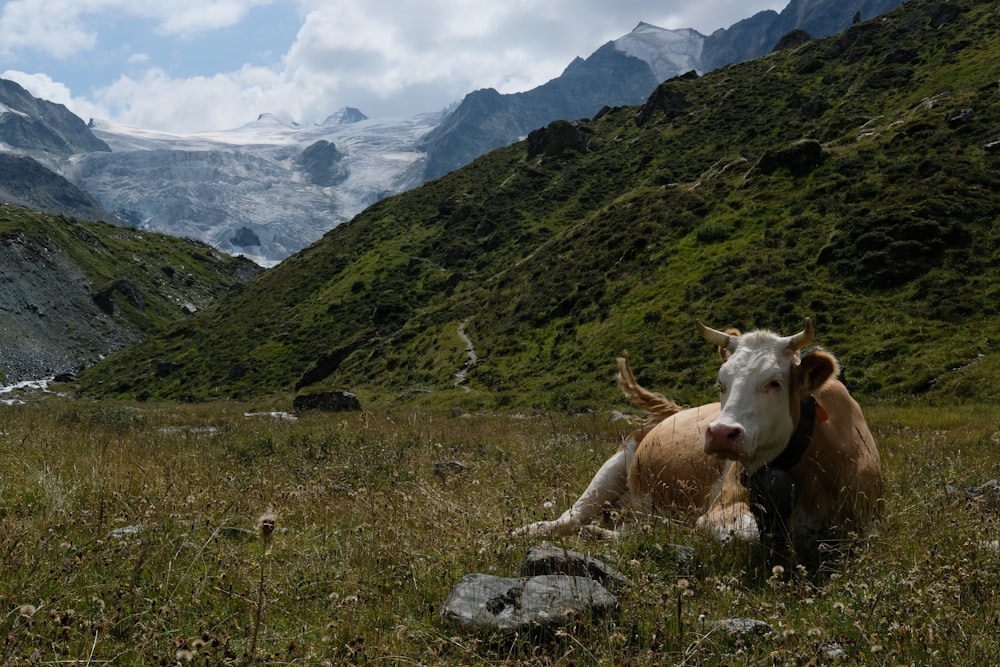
{"x":742,"y":627}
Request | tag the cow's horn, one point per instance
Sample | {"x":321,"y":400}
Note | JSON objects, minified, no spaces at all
{"x":714,"y":337}
{"x":802,"y":338}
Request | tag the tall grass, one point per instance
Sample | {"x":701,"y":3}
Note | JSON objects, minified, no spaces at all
{"x":129,"y":536}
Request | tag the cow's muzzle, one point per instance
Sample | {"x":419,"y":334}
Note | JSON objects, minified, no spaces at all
{"x":724,"y":440}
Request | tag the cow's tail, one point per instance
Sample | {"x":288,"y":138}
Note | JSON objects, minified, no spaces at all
{"x":658,"y":406}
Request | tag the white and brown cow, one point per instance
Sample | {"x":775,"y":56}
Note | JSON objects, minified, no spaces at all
{"x":786,"y":453}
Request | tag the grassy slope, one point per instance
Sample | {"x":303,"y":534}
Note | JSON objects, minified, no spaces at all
{"x":559,"y":263}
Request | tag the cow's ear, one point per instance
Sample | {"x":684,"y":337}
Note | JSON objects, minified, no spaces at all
{"x":814,"y":370}
{"x":724,"y":352}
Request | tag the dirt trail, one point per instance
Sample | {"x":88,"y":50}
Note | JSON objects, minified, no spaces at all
{"x":462,"y":373}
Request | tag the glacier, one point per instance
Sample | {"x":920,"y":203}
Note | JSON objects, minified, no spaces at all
{"x":270,"y":188}
{"x":248,"y":191}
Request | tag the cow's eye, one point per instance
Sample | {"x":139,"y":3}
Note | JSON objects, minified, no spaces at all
{"x":773,"y":385}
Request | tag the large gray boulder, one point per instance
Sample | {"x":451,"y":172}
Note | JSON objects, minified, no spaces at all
{"x":483,"y":603}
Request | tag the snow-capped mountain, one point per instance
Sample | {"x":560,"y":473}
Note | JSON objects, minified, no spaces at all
{"x":263,"y":190}
{"x":270,"y":188}
{"x":667,"y":52}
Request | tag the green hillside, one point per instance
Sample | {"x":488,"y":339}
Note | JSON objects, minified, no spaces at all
{"x":73,"y":290}
{"x":854,"y":180}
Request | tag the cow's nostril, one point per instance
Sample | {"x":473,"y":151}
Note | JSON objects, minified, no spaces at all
{"x":725,"y":433}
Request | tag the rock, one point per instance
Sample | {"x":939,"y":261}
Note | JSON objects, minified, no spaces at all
{"x":323,"y":163}
{"x":560,"y":136}
{"x":666,"y":99}
{"x":685,"y":557}
{"x":986,"y":495}
{"x":448,"y":468}
{"x":105,"y":298}
{"x":245,"y":238}
{"x":792,"y":39}
{"x":548,"y":559}
{"x":962,"y":117}
{"x":798,"y":157}
{"x":741,"y":628}
{"x":483,"y":603}
{"x":326,"y":401}
{"x":164,"y":367}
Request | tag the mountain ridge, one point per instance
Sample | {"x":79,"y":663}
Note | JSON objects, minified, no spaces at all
{"x":851,"y":179}
{"x":278,"y":208}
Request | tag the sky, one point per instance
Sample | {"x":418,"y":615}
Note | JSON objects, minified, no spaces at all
{"x":200,"y":65}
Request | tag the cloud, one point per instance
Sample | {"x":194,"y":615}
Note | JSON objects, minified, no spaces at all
{"x":65,"y":28}
{"x":386,"y":57}
{"x":185,"y":18}
{"x":54,"y":29}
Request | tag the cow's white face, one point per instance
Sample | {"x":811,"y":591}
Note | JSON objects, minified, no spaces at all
{"x":757,"y":395}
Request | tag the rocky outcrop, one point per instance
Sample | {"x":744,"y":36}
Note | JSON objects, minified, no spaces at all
{"x":798,"y":158}
{"x":46,"y":131}
{"x":326,"y":401}
{"x":559,"y":137}
{"x":322,"y":162}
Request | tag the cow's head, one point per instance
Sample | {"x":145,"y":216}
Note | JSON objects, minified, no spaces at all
{"x":761,"y":382}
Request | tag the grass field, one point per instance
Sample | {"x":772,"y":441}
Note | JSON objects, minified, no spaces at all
{"x":131,"y":536}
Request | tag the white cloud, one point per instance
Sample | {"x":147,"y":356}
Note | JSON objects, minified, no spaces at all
{"x":54,"y":29}
{"x":184,"y":18}
{"x":387,"y":57}
{"x":64,"y":28}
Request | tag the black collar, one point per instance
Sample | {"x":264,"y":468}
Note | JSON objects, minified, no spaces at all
{"x":772,"y":488}
{"x":800,"y":439}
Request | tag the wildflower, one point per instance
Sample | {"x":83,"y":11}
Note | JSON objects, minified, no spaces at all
{"x":265,"y":527}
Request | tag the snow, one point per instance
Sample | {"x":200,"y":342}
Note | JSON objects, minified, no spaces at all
{"x":244,"y":190}
{"x":668,"y":52}
{"x":209,"y":185}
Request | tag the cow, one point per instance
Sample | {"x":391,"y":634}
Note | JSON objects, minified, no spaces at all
{"x":784,"y":457}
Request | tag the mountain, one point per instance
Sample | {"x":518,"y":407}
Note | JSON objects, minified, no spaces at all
{"x":75,"y":291}
{"x":854,"y":180}
{"x":25,"y":182}
{"x":36,"y":138}
{"x":486,"y":119}
{"x":40,"y":129}
{"x":263,"y":190}
{"x":624,"y":72}
{"x":757,"y":35}
{"x":271,"y":188}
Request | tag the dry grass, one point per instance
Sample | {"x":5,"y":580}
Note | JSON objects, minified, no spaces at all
{"x":130,"y":537}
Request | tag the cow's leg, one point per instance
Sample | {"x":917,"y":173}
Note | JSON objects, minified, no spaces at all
{"x":729,"y":523}
{"x":728,"y":516}
{"x":608,"y":488}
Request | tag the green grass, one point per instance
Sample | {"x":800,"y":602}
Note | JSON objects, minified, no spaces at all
{"x":129,"y":537}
